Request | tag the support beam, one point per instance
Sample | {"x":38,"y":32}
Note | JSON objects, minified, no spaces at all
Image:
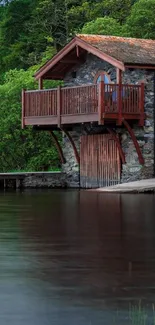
{"x":57,"y":144}
{"x":54,"y":76}
{"x":86,"y":130}
{"x":101,"y":102}
{"x":73,"y":145}
{"x":121,"y":153}
{"x":141,"y":103}
{"x":119,"y":81}
{"x":133,"y":137}
{"x":77,"y":50}
{"x":147,"y":67}
{"x":70,"y":61}
{"x":40,"y":83}
{"x":118,"y":76}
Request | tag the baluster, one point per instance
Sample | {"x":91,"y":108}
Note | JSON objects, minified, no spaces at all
{"x":53,"y":110}
{"x":135,"y":102}
{"x":55,"y":102}
{"x":141,"y":103}
{"x":101,"y":101}
{"x":65,"y":96}
{"x":78,"y":101}
{"x":129,"y":98}
{"x":59,"y":105}
{"x":52,"y":103}
{"x":120,"y":103}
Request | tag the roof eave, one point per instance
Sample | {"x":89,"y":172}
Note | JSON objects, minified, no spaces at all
{"x":47,"y":66}
{"x":140,"y":66}
{"x":76,"y":41}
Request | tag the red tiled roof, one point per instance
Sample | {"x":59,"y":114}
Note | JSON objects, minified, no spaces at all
{"x":126,"y":50}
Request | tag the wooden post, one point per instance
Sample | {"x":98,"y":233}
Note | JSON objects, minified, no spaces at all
{"x":117,"y":75}
{"x":59,"y":106}
{"x":133,"y":137}
{"x":40,"y":83}
{"x":101,"y":102}
{"x":120,"y":97}
{"x":4,"y":183}
{"x":18,"y":183}
{"x":40,"y":86}
{"x":121,"y":153}
{"x":141,"y":103}
{"x":23,"y":107}
{"x":77,"y":51}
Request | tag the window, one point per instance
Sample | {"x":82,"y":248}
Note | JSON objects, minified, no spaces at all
{"x":102,"y":76}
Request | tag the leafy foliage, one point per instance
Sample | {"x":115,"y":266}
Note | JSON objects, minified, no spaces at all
{"x":28,"y":149}
{"x":103,"y":26}
{"x":141,"y":22}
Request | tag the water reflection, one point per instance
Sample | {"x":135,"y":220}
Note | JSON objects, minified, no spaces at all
{"x":75,"y":257}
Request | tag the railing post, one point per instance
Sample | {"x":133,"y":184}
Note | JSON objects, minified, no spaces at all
{"x":40,"y":83}
{"x":141,"y":103}
{"x":59,"y":105}
{"x":101,"y":102}
{"x":23,"y":107}
{"x":120,"y":96}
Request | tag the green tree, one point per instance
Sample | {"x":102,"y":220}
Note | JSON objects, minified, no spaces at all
{"x":103,"y":26}
{"x":116,"y":9}
{"x":86,"y":11}
{"x":22,"y":149}
{"x":78,"y":15}
{"x":51,"y":16}
{"x":141,"y":22}
{"x":13,"y":30}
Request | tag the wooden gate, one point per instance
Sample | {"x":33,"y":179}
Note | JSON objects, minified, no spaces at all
{"x":99,"y":161}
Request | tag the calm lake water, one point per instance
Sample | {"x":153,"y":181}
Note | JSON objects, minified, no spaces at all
{"x":76,"y":257}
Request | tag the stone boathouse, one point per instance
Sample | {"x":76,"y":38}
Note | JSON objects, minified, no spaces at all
{"x":105,"y":109}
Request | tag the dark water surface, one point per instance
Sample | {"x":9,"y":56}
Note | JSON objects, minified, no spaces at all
{"x":79,"y":258}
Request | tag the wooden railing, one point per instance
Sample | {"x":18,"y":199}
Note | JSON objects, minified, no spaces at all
{"x":104,"y":100}
{"x":121,"y":100}
{"x":79,"y":100}
{"x":40,"y":103}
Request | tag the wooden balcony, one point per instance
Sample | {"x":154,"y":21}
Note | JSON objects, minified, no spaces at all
{"x":81,"y":104}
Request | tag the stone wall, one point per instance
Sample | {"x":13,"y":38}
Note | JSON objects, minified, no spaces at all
{"x":132,"y":170}
{"x":44,"y":180}
{"x":71,"y":167}
{"x":85,"y":73}
{"x":33,"y":180}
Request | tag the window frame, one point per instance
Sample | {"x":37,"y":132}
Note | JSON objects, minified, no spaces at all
{"x":102,"y":73}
